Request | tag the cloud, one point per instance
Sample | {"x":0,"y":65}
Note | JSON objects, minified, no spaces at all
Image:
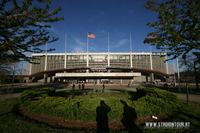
{"x":78,"y":49}
{"x":79,"y":42}
{"x":81,"y":46}
{"x":120,"y":43}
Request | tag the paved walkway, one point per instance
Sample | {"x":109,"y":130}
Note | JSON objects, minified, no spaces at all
{"x":8,"y":96}
{"x":192,"y":97}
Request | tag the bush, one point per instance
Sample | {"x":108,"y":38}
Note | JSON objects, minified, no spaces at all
{"x":150,"y":101}
{"x":32,"y":95}
{"x":52,"y":92}
{"x":157,"y":101}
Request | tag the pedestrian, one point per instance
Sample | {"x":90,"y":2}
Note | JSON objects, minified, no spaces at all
{"x":73,"y":87}
{"x":83,"y":86}
{"x":79,"y":86}
{"x":103,"y":87}
{"x":94,"y":86}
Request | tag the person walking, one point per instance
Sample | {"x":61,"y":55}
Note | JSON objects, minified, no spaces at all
{"x":83,"y":86}
{"x":79,"y":86}
{"x":73,"y":87}
{"x":103,"y":87}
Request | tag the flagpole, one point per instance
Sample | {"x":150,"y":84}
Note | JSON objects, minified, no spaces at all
{"x":65,"y":64}
{"x":130,"y":42}
{"x":87,"y":51}
{"x":65,"y":42}
{"x":108,"y":42}
{"x":108,"y":51}
{"x":131,"y":61}
{"x":87,"y":42}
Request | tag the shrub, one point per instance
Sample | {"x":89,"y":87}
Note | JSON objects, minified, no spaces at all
{"x":52,"y":92}
{"x":150,"y":101}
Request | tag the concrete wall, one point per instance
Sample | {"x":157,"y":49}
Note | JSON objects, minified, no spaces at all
{"x":98,"y":61}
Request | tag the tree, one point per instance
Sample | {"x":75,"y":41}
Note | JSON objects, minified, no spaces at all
{"x":24,"y":27}
{"x":4,"y":71}
{"x":196,"y":66}
{"x":191,"y":67}
{"x":177,"y":28}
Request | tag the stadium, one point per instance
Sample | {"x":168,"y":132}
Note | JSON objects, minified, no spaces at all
{"x":109,"y":67}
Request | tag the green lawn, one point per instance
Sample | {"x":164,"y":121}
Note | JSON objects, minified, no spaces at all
{"x":12,"y":122}
{"x":82,"y":105}
{"x":188,"y":113}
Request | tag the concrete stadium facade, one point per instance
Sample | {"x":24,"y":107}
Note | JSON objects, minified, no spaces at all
{"x":79,"y":66}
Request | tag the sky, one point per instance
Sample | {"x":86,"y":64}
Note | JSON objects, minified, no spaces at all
{"x":118,"y":17}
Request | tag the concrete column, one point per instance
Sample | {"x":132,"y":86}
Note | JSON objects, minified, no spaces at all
{"x":30,"y":80}
{"x":87,"y":60}
{"x":87,"y":63}
{"x":147,"y":78}
{"x":151,"y":61}
{"x":152,"y":77}
{"x":132,"y":80}
{"x":65,"y":63}
{"x":98,"y":81}
{"x":108,"y":59}
{"x":108,"y":62}
{"x":30,"y":68}
{"x":131,"y":61}
{"x":51,"y":79}
{"x":45,"y":64}
{"x":45,"y":78}
{"x":151,"y":65}
{"x":166,"y":63}
{"x":177,"y":64}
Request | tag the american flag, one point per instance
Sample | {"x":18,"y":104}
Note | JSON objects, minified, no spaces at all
{"x":91,"y":35}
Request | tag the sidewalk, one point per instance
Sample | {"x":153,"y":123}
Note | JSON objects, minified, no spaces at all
{"x":192,"y":97}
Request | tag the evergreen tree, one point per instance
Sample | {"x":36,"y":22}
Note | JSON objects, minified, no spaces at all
{"x":177,"y":27}
{"x":24,"y":27}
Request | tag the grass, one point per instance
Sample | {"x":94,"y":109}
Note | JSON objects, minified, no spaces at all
{"x":183,"y":90}
{"x":188,"y":113}
{"x":11,"y":122}
{"x":82,"y":105}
